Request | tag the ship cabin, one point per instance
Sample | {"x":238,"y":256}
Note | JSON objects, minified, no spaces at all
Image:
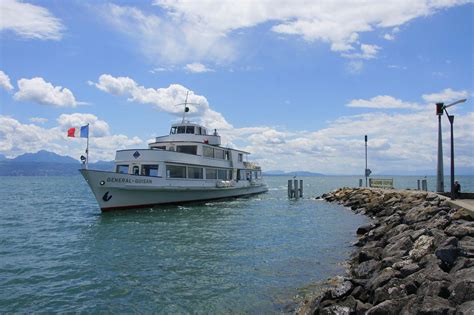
{"x":191,"y":152}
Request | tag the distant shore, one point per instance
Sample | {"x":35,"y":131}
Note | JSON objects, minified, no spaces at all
{"x":417,"y":256}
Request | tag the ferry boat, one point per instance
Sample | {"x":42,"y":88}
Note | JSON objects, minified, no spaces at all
{"x":189,"y":164}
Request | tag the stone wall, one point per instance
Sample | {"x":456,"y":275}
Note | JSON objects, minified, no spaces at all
{"x":416,"y":257}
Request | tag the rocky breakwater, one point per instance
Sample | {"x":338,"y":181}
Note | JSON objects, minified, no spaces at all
{"x":415,"y":257}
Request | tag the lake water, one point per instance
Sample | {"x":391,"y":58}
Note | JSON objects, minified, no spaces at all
{"x":58,"y":253}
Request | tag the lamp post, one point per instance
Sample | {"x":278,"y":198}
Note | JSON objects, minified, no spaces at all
{"x":451,"y":122}
{"x":440,"y":172}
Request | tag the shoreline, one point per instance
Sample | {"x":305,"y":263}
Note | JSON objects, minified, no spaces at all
{"x":415,"y":257}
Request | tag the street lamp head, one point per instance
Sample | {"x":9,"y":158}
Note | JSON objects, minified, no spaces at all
{"x":457,"y":102}
{"x":439,"y":109}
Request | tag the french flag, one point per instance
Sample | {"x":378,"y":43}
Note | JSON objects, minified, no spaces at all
{"x":82,"y":132}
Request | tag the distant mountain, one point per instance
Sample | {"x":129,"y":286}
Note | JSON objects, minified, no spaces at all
{"x":45,"y":156}
{"x":294,"y":173}
{"x":45,"y":163}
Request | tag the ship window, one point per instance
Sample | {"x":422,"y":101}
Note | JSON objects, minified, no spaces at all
{"x":122,"y":169}
{"x":208,"y":152}
{"x":173,"y":130}
{"x":150,"y":170}
{"x":241,"y":157}
{"x":219,"y":154}
{"x":204,"y":131}
{"x":160,"y":148}
{"x":190,"y":129}
{"x":181,"y":129}
{"x":175,"y":171}
{"x":190,"y":149}
{"x":211,"y":173}
{"x":222,"y":174}
{"x":199,"y":130}
{"x":195,"y":172}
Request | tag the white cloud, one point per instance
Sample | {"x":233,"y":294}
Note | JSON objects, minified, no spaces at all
{"x":206,"y":30}
{"x":355,"y":66}
{"x":164,"y":99}
{"x":97,"y":128}
{"x":38,"y":120}
{"x":17,"y":138}
{"x":383,"y":102}
{"x":40,"y":91}
{"x":5,"y":81}
{"x":366,"y":52}
{"x":445,"y":96}
{"x":29,"y":21}
{"x":197,"y":67}
{"x":388,"y":36}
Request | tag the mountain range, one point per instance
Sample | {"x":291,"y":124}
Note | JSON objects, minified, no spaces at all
{"x":45,"y":163}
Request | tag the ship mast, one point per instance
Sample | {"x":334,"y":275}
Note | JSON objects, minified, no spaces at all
{"x":186,"y":108}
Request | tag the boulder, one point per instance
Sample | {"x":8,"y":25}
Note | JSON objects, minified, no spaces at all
{"x":448,"y":255}
{"x":402,"y":245}
{"x":460,"y":228}
{"x":409,"y":269}
{"x":382,"y":278}
{"x":462,"y":288}
{"x":388,"y":307}
{"x":365,"y":228}
{"x":422,"y":247}
{"x":366,"y":269}
{"x":466,"y":308}
{"x":362,"y":308}
{"x":466,"y":245}
{"x":366,"y":254}
{"x":434,"y":288}
{"x":419,"y":213}
{"x":435,"y":305}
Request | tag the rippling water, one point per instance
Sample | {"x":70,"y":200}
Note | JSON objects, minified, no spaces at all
{"x":58,"y":253}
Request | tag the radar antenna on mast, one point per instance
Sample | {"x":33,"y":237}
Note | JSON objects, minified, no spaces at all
{"x":186,"y":108}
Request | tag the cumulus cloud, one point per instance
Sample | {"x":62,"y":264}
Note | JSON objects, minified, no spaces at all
{"x":447,"y":95}
{"x":205,"y":30}
{"x":40,"y":91}
{"x":97,"y":128}
{"x":17,"y":138}
{"x":164,"y":99}
{"x":29,"y":21}
{"x":5,"y":81}
{"x":382,"y":102}
{"x":197,"y":67}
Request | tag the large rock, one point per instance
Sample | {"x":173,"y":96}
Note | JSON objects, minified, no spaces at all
{"x":460,"y":228}
{"x":365,"y":228}
{"x":462,"y":288}
{"x":423,"y":246}
{"x":382,"y":278}
{"x":466,"y":308}
{"x":435,"y":305}
{"x":402,"y":245}
{"x":419,"y":213}
{"x":434,"y":288}
{"x":366,"y":269}
{"x":388,"y":307}
{"x":448,"y":255}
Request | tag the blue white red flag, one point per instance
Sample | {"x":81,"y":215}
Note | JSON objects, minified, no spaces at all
{"x":82,"y":132}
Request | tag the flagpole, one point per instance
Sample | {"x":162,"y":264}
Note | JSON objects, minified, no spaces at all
{"x":87,"y":149}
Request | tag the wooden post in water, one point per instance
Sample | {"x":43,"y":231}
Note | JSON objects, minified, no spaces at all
{"x":424,"y":185}
{"x":418,"y":184}
{"x":295,"y":182}
{"x":290,"y":188}
{"x":360,"y":182}
{"x":301,"y":188}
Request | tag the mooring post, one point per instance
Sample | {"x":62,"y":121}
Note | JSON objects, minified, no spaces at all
{"x":418,"y":182}
{"x":424,"y":184}
{"x":360,"y":182}
{"x":295,"y":183}
{"x":301,"y":188}
{"x":290,"y":188}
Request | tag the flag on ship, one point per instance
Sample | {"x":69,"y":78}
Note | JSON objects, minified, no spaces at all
{"x":82,"y":132}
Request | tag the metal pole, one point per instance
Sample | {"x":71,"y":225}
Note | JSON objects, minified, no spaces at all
{"x":440,"y":172}
{"x":87,"y":148}
{"x":451,"y":121}
{"x":365,"y":160}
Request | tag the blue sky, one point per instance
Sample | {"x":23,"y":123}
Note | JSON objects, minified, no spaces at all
{"x":297,"y":83}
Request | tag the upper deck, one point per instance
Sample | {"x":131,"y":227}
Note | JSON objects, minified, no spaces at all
{"x":188,"y":132}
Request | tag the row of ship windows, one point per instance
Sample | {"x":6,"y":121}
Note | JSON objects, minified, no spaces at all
{"x":209,"y":152}
{"x":191,"y":172}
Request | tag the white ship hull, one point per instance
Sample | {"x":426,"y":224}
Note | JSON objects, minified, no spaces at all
{"x":121,"y":191}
